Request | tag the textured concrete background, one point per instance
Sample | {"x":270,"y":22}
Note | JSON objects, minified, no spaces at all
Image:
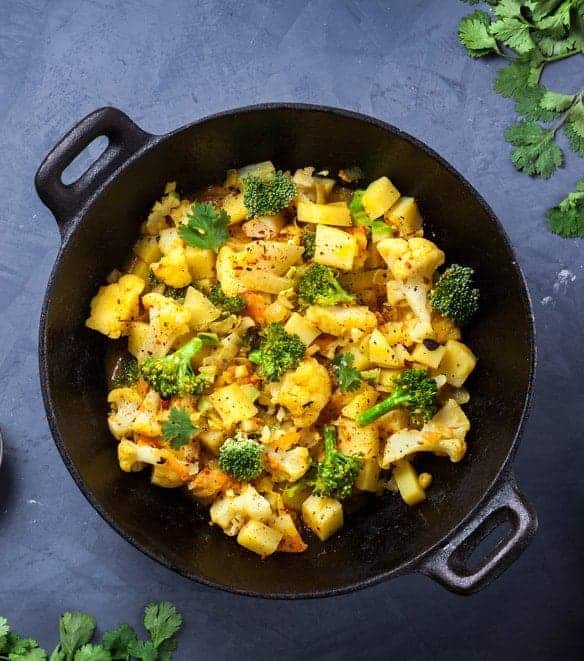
{"x":166,"y":63}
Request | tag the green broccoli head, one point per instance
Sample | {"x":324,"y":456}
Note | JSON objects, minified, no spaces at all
{"x":229,"y":304}
{"x":319,"y":285}
{"x":358,"y":213}
{"x":266,"y":195}
{"x":278,"y":352}
{"x":173,"y":375}
{"x":241,"y":457}
{"x":415,"y":390}
{"x":453,"y":294}
{"x":337,"y":472}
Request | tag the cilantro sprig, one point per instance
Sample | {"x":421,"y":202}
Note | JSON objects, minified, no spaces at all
{"x":205,"y":227}
{"x":531,"y":34}
{"x":567,"y":218}
{"x":162,"y":621}
{"x":348,"y":376}
{"x":178,"y":429}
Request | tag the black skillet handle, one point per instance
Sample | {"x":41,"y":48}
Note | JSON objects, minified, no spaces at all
{"x":449,"y":566}
{"x":65,"y":201}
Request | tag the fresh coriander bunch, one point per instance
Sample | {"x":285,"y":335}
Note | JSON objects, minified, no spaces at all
{"x":530,"y":34}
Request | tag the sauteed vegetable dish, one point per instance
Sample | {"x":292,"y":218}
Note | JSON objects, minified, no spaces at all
{"x":282,"y":344}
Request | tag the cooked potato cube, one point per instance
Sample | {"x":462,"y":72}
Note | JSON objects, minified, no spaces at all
{"x":299,"y":325}
{"x":212,"y":439}
{"x":457,"y":363}
{"x":291,"y":541}
{"x":408,"y":483}
{"x":264,"y":227}
{"x":385,"y":355}
{"x":364,"y":398}
{"x":323,"y":515}
{"x":324,"y":214}
{"x":334,"y":247}
{"x":235,"y":208}
{"x":259,"y":538}
{"x":405,"y":216}
{"x":115,"y":305}
{"x":146,"y":248}
{"x":201,"y":262}
{"x":379,"y":196}
{"x":368,"y":478}
{"x":288,"y":465}
{"x":263,"y":281}
{"x":233,"y":404}
{"x":361,"y":442}
{"x":226,"y":273}
{"x":202,"y":311}
{"x":429,"y":357}
{"x":339,"y":321}
{"x":140,"y":269}
{"x":444,"y":329}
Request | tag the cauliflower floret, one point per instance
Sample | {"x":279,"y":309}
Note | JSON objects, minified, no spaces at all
{"x":230,"y":512}
{"x":125,"y":403}
{"x":173,"y":268}
{"x":115,"y":305}
{"x":133,"y":457}
{"x":168,"y":321}
{"x":146,"y":422}
{"x":156,"y":220}
{"x":420,"y":260}
{"x":305,"y":391}
{"x":168,"y":471}
{"x":288,"y":465}
{"x":444,"y":434}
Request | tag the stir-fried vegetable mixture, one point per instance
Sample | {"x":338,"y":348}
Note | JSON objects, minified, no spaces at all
{"x":289,"y":343}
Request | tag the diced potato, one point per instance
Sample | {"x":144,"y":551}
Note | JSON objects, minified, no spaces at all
{"x":368,"y":478}
{"x":291,"y":541}
{"x":146,"y":248}
{"x":212,"y":439}
{"x":173,"y":269}
{"x":387,"y":378}
{"x":430,"y":358}
{"x":115,"y":305}
{"x":379,"y":196}
{"x":324,"y":214}
{"x":263,"y":169}
{"x":140,"y":269}
{"x":393,"y":421}
{"x":395,"y":332}
{"x":405,"y":216}
{"x":457,"y":363}
{"x":235,"y":208}
{"x":385,"y":355}
{"x":200,"y":308}
{"x":364,"y":398}
{"x":201,"y":262}
{"x":253,"y":505}
{"x":289,"y":465}
{"x":340,"y":321}
{"x":264,"y":227}
{"x":233,"y":404}
{"x":263,"y":281}
{"x":273,"y":256}
{"x":362,"y":442}
{"x":259,"y":538}
{"x":226,"y":273}
{"x":323,"y":515}
{"x":295,"y":500}
{"x":408,"y":483}
{"x":299,"y":325}
{"x":334,"y":247}
{"x":323,"y":187}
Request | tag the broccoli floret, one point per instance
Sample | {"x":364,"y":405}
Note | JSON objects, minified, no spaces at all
{"x":241,"y":457}
{"x":174,"y":375}
{"x":229,"y":304}
{"x":337,"y":472}
{"x":320,"y":286}
{"x":175,"y":293}
{"x":453,"y":294}
{"x":279,"y":351}
{"x":126,"y":372}
{"x":415,"y":390}
{"x":266,"y":195}
{"x":308,"y":240}
{"x":358,"y":213}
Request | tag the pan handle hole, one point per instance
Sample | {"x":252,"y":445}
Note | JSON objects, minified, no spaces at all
{"x":84,"y":160}
{"x":483,"y":543}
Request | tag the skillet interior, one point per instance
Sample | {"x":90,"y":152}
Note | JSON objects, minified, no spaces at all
{"x":385,"y":534}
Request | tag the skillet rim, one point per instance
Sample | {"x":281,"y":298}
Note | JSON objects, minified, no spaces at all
{"x":73,"y":227}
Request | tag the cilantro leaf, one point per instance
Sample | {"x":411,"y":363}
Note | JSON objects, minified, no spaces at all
{"x":117,"y":641}
{"x":574,"y":128}
{"x":512,"y":80}
{"x":166,"y":649}
{"x":32,"y":654}
{"x":144,"y":650}
{"x":162,"y":621}
{"x":536,"y":152}
{"x":4,"y":630}
{"x":475,"y":36}
{"x":205,"y":227}
{"x":349,"y":377}
{"x":178,"y":429}
{"x":508,"y":9}
{"x":92,"y":653}
{"x":514,"y":33}
{"x":75,"y":629}
{"x":567,"y":218}
{"x":556,"y":101}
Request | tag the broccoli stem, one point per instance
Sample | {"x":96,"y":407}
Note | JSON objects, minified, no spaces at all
{"x":330,"y":438}
{"x":395,"y":400}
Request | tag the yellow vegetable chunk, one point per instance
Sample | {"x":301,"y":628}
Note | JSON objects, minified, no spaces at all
{"x":291,"y":541}
{"x":202,"y":311}
{"x":264,"y":227}
{"x":368,"y":478}
{"x":259,"y":538}
{"x":275,"y":257}
{"x":385,"y":355}
{"x":173,"y":269}
{"x":288,"y":465}
{"x":405,"y":216}
{"x":324,"y":214}
{"x":420,"y":260}
{"x":430,"y":358}
{"x":115,"y":305}
{"x":364,"y":398}
{"x":299,"y":325}
{"x":227,"y":274}
{"x":361,"y":442}
{"x":233,"y":404}
{"x":146,"y":248}
{"x":444,"y":329}
{"x":379,"y":196}
{"x":323,"y":515}
{"x":305,"y":391}
{"x":140,"y":269}
{"x":408,"y":483}
{"x":201,"y":262}
{"x":212,"y":439}
{"x":338,"y":320}
{"x":264,"y":281}
{"x":235,"y":208}
{"x":334,"y":247}
{"x":457,"y":363}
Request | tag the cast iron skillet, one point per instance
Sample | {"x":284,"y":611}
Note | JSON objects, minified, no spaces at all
{"x":99,"y":216}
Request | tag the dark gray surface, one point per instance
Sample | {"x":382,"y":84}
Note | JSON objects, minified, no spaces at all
{"x":166,"y":63}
